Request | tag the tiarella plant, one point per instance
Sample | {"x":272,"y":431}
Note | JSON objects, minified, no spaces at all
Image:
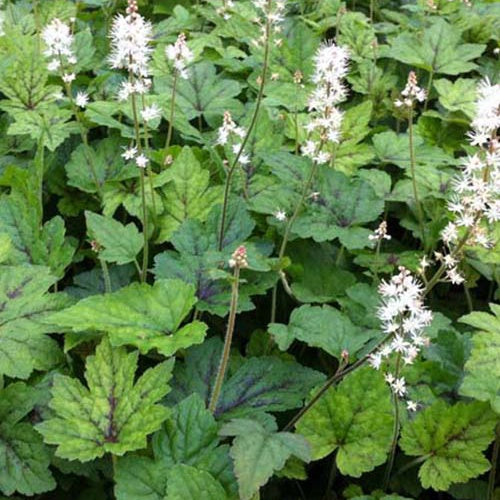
{"x":237,"y":261}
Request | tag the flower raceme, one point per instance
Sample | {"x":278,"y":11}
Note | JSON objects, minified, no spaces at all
{"x":180,"y":55}
{"x":331,"y":66}
{"x":411,"y":93}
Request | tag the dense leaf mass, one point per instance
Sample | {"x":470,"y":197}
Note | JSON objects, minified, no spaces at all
{"x":249,"y":249}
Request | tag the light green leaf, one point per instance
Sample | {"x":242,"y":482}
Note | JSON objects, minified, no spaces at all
{"x":114,"y":414}
{"x":107,"y":162}
{"x":344,"y":419}
{"x":188,"y":483}
{"x":339,"y":210}
{"x":357,"y":33}
{"x":459,"y":95}
{"x":24,"y":460}
{"x":324,"y":327}
{"x":24,"y":305}
{"x":187,"y":194}
{"x":439,"y":50}
{"x":482,"y":370}
{"x":120,"y":243}
{"x":148,"y":317}
{"x":450,"y":440}
{"x":258,"y":452}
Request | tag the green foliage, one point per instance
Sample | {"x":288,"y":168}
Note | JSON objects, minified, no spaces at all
{"x":450,"y":441}
{"x":148,"y":317}
{"x":259,"y":450}
{"x":113,"y":414}
{"x":343,"y":420}
{"x":482,"y":370}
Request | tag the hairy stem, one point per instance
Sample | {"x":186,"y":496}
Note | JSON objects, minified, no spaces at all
{"x":145,"y":229}
{"x":258,"y":102}
{"x":227,"y":343}
{"x":420,"y":214}
{"x":395,"y":431}
{"x":172,"y":112}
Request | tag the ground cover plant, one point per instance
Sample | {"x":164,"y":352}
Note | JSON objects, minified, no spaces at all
{"x":249,"y":249}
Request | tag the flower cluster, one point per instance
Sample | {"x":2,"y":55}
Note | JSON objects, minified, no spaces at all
{"x":227,"y":132}
{"x":132,"y":153}
{"x":476,"y":196}
{"x":411,"y":93}
{"x":380,"y":233}
{"x":271,"y":15}
{"x":331,"y":66}
{"x":404,"y":316}
{"x":180,"y":55}
{"x":239,"y":258}
{"x":131,"y":36}
{"x":58,"y":40}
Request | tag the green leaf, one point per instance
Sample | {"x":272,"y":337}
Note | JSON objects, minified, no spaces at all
{"x":107,"y":163}
{"x":187,"y":194}
{"x":339,"y":210}
{"x":257,"y":385}
{"x":188,"y":483}
{"x":357,"y":33}
{"x":258,"y":452}
{"x":140,"y":478}
{"x":148,"y":317}
{"x":459,"y":95}
{"x":394,"y":149}
{"x":189,"y":436}
{"x":24,"y":460}
{"x":323,"y":327}
{"x":482,"y":370}
{"x":450,"y":441}
{"x":24,"y":305}
{"x":114,"y":414}
{"x":51,"y":126}
{"x":439,"y":50}
{"x":344,"y":419}
{"x":203,"y":94}
{"x":121,"y":243}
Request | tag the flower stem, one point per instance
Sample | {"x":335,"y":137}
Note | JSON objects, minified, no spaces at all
{"x":106,"y":277}
{"x":258,"y":102}
{"x":227,"y":343}
{"x":395,"y":431}
{"x":414,"y":179}
{"x":145,"y":255}
{"x":39,"y":170}
{"x":429,"y":87}
{"x":149,"y":169}
{"x":172,"y":112}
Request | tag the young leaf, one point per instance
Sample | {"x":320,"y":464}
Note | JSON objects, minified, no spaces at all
{"x":341,"y":207}
{"x":439,"y":51}
{"x":24,"y":307}
{"x":114,"y":414}
{"x":450,"y":440}
{"x":459,"y":95}
{"x":24,"y":460}
{"x":148,"y":317}
{"x":187,"y":194}
{"x":258,"y":452}
{"x":259,"y":384}
{"x":357,"y":418}
{"x":482,"y":370}
{"x":323,"y":327}
{"x":120,"y":243}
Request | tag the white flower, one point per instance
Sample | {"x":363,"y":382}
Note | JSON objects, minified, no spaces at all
{"x":280,"y":215}
{"x":58,"y":40}
{"x":412,"y":92}
{"x":82,"y":99}
{"x":399,"y":386}
{"x":229,"y":129}
{"x":380,"y":233}
{"x":54,"y":65}
{"x":150,"y":113}
{"x":411,"y":405}
{"x":180,"y":54}
{"x":68,"y":77}
{"x":130,"y":42}
{"x":141,"y":161}
{"x":130,"y":153}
